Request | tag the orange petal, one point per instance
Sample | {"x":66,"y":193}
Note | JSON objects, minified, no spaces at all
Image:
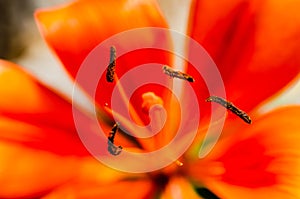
{"x":27,"y":100}
{"x":29,"y":173}
{"x":39,"y":144}
{"x":32,"y":136}
{"x":179,"y":187}
{"x":93,"y":171}
{"x":131,"y":189}
{"x":251,"y":49}
{"x":34,"y":115}
{"x":46,"y":172}
{"x":261,"y":160}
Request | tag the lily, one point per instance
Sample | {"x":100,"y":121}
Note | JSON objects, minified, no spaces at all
{"x":43,"y":156}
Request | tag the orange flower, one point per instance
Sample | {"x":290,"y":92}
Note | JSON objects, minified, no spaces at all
{"x":43,"y":156}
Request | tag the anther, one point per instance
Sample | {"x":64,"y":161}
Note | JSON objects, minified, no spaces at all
{"x":114,"y":150}
{"x":110,"y":72}
{"x":230,"y":106}
{"x":178,"y":74}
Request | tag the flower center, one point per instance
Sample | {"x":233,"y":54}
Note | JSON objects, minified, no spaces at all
{"x":162,"y":127}
{"x":157,"y":130}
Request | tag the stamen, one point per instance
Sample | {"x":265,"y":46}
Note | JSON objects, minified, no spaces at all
{"x":112,"y":76}
{"x":110,"y":72}
{"x":178,"y":74}
{"x":127,"y":124}
{"x":126,"y":101}
{"x":114,"y":150}
{"x":230,"y":106}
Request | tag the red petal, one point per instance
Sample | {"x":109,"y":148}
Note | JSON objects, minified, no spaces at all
{"x":75,"y":29}
{"x":260,"y":161}
{"x":27,"y":173}
{"x":255,"y":45}
{"x":39,"y":144}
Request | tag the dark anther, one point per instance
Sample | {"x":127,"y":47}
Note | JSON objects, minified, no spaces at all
{"x":230,"y":106}
{"x":114,"y":150}
{"x":178,"y":74}
{"x":110,"y":72}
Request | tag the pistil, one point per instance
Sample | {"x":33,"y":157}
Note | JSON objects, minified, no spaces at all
{"x":153,"y":105}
